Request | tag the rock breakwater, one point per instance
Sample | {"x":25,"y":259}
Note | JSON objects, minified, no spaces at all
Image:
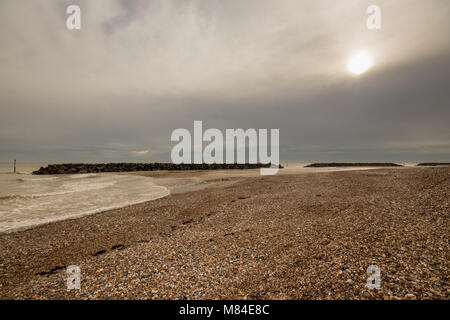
{"x":350,"y":164}
{"x":73,"y":168}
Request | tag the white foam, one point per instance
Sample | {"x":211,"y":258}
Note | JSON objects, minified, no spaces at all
{"x":29,"y":202}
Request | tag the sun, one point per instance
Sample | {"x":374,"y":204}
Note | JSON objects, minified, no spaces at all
{"x":359,"y":63}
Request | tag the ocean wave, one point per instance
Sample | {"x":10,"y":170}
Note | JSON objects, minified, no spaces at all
{"x":83,"y":175}
{"x":37,"y":179}
{"x":70,"y":188}
{"x":32,"y":196}
{"x":16,"y":225}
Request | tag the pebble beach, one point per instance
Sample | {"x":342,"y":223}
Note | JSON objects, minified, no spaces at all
{"x":288,"y":236}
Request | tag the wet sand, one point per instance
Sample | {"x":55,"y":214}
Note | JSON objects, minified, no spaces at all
{"x":290,"y":236}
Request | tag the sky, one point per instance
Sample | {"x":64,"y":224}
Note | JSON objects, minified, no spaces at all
{"x":139,"y":69}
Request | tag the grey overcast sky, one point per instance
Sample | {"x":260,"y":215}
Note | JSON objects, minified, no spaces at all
{"x":138,"y":69}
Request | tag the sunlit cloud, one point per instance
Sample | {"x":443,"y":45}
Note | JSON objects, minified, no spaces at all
{"x":140,"y":153}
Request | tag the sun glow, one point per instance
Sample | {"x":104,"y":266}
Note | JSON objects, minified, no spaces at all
{"x":359,"y":63}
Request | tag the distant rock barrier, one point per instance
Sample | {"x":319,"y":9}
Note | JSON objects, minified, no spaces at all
{"x":350,"y":164}
{"x":433,"y":164}
{"x":73,"y":168}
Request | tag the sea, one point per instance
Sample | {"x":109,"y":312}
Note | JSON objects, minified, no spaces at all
{"x":27,"y":200}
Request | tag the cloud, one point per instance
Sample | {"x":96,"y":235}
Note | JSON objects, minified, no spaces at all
{"x":140,"y":153}
{"x":139,"y":69}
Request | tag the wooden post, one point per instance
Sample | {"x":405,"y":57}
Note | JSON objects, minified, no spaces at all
{"x":14,"y":165}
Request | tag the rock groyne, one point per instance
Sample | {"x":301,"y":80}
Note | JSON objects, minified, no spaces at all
{"x":350,"y":164}
{"x":73,"y":168}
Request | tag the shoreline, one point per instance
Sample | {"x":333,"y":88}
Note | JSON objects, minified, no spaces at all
{"x":169,"y":186}
{"x":312,"y":231}
{"x":42,"y":222}
{"x":173,"y":182}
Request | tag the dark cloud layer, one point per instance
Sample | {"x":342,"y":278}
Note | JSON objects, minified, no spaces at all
{"x":139,"y":69}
